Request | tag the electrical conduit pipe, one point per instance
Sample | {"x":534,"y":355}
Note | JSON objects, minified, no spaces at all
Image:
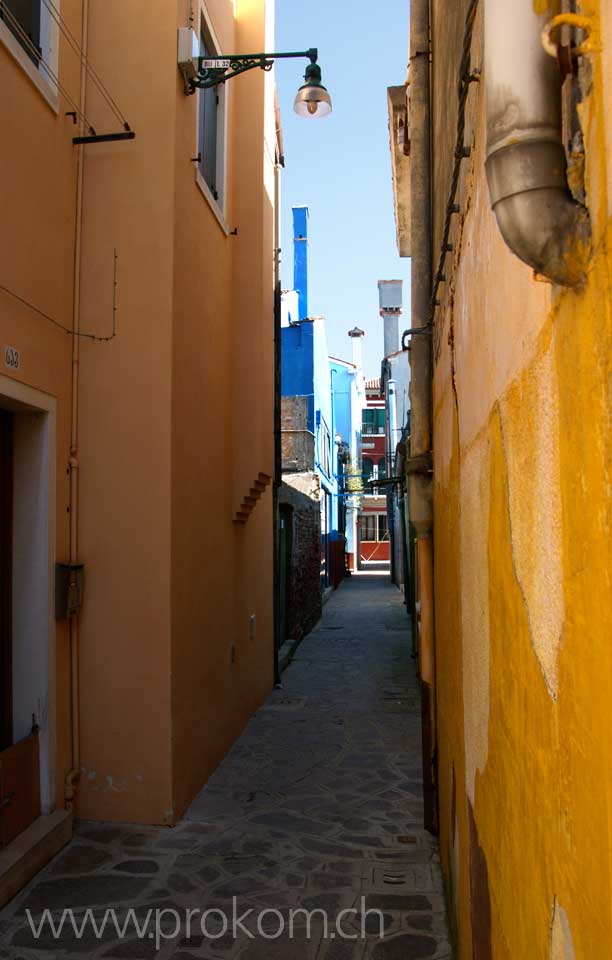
{"x":73,"y":775}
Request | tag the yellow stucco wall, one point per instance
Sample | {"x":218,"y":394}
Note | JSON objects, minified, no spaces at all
{"x":523,"y":516}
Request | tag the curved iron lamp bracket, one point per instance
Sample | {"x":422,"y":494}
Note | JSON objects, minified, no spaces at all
{"x":213,"y":71}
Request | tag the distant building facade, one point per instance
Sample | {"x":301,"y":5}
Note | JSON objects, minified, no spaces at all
{"x":372,"y":528}
{"x":309,"y":452}
{"x":395,"y":388}
{"x":348,"y":399}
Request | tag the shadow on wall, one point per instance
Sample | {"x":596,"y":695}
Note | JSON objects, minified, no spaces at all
{"x":480,"y":900}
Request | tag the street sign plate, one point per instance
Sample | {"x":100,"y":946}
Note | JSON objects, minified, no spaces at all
{"x":11,"y":357}
{"x":216,"y":64}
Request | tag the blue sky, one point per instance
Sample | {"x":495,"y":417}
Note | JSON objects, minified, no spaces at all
{"x":340,"y":166}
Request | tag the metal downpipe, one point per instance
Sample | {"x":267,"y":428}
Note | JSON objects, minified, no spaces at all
{"x":526,"y":163}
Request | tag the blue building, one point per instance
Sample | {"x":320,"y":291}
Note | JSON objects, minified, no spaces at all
{"x":308,"y":429}
{"x":348,"y":401}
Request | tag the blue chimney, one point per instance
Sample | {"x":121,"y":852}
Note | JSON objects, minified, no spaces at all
{"x":300,"y":259}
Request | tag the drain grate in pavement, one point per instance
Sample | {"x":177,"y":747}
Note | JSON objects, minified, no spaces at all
{"x":415,"y":878}
{"x":286,"y":703}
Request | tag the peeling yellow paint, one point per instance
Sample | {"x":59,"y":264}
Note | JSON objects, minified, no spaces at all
{"x":474,"y":560}
{"x":561,"y":943}
{"x":529,"y":415}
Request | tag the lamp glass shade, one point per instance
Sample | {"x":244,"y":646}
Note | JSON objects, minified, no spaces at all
{"x":312,"y":101}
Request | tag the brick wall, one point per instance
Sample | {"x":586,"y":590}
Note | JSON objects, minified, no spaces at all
{"x":301,"y":492}
{"x":297,"y":441}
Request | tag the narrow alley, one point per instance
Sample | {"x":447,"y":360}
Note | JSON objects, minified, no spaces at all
{"x":267,"y":326}
{"x":318,"y":806}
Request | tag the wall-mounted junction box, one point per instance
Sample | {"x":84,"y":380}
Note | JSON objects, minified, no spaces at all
{"x":188,"y":51}
{"x":69,"y":581}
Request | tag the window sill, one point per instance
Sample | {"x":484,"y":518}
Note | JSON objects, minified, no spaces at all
{"x":212,"y":203}
{"x":47,"y":90}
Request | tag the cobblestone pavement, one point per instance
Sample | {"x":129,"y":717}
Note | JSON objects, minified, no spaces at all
{"x":318,"y":805}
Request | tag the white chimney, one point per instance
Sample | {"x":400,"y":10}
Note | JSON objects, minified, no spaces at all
{"x":357,"y":336}
{"x":390,"y":301}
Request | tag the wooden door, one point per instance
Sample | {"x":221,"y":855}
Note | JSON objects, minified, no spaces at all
{"x":19,"y":787}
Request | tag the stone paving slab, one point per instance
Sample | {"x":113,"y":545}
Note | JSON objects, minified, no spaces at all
{"x":318,"y":807}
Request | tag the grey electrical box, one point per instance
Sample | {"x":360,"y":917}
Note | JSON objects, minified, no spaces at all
{"x":188,"y":51}
{"x":69,"y":580}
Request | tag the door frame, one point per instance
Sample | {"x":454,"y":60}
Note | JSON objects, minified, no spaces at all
{"x":6,"y":578}
{"x":21,"y":398}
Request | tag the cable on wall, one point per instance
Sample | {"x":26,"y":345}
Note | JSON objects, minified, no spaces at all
{"x":467,"y":76}
{"x":56,"y":323}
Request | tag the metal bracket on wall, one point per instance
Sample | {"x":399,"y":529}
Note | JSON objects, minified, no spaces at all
{"x":424,"y":331}
{"x":423,"y":464}
{"x":92,"y":137}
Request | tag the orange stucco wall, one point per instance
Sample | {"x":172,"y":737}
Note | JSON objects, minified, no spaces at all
{"x":522,"y":546}
{"x":125,"y":438}
{"x":222,"y":375}
{"x":38,"y":166}
{"x":170,"y":663}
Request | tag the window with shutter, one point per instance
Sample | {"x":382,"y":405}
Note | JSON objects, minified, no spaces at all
{"x":211,"y":123}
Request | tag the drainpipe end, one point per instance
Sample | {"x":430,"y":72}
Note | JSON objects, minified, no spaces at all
{"x":536,"y":213}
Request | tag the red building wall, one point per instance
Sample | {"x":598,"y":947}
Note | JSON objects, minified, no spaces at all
{"x":373,"y":448}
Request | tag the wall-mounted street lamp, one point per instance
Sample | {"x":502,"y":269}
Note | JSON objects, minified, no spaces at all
{"x":312,"y":99}
{"x":201,"y":73}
